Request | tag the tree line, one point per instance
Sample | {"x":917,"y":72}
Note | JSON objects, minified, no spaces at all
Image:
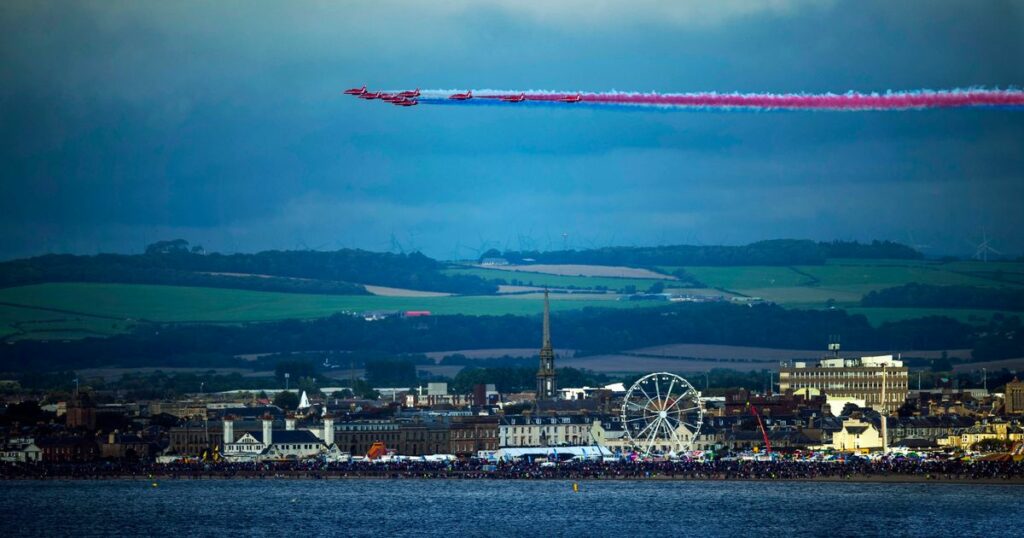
{"x":173,"y":263}
{"x":588,"y":330}
{"x":771,"y":252}
{"x":929,"y":296}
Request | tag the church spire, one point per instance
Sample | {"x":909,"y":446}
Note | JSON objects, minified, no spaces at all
{"x":547,"y":321}
{"x":546,"y":373}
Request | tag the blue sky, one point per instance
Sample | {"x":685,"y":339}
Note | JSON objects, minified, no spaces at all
{"x":123,"y":123}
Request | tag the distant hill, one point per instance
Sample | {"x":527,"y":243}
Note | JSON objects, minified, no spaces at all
{"x":773,"y":252}
{"x":340,"y":272}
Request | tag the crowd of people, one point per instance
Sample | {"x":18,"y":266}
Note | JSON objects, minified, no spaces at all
{"x":851,"y":469}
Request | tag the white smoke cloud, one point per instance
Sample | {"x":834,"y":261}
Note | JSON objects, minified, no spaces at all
{"x":677,"y":12}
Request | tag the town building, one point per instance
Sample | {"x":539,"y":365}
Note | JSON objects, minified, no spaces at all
{"x":357,"y":437}
{"x":81,"y":412}
{"x":470,"y":435}
{"x":864,"y":378}
{"x":20,"y":450}
{"x":528,"y":431}
{"x":125,"y":446}
{"x":1014,"y":397}
{"x":996,"y":431}
{"x":271,"y":444}
{"x":185,"y":410}
{"x":67,"y":449}
{"x":858,"y":435}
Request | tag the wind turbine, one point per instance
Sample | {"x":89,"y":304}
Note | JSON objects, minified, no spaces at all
{"x":982,"y":249}
{"x":395,"y":245}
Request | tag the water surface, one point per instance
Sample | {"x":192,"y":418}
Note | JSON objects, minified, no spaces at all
{"x":309,"y":508}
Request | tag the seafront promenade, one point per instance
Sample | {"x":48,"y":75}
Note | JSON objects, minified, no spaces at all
{"x":859,"y":470}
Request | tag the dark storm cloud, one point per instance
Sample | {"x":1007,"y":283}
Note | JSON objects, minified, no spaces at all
{"x":124,"y":123}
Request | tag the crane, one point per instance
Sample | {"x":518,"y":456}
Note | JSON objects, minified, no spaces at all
{"x":760,"y":425}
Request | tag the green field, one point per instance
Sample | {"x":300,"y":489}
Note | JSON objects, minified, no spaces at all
{"x":131,"y":303}
{"x":748,"y":277}
{"x":75,"y":310}
{"x":842,"y":283}
{"x":560,"y":281}
{"x":17,"y":323}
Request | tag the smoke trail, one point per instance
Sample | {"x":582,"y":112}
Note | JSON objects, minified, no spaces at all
{"x":910,"y":100}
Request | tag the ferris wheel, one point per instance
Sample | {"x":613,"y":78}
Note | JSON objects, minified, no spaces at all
{"x":662,"y":413}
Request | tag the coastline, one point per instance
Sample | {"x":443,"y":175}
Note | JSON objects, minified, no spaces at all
{"x":296,"y":476}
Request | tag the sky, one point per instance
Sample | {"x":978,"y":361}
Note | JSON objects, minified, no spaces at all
{"x":127,"y":122}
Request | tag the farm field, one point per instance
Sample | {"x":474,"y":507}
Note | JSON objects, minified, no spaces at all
{"x":748,"y":277}
{"x":583,"y":270}
{"x":186,"y":304}
{"x":18,"y":323}
{"x":559,"y":281}
{"x":77,"y":310}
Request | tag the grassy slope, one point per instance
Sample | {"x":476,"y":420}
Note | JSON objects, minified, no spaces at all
{"x":17,"y":323}
{"x":172,"y":303}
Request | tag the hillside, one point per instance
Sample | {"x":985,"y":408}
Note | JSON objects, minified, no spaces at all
{"x":340,"y":272}
{"x":68,"y":297}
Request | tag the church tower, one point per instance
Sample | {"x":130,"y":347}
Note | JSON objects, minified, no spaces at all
{"x":546,"y":373}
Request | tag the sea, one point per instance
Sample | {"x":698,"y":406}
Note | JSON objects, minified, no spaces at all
{"x":461,"y":508}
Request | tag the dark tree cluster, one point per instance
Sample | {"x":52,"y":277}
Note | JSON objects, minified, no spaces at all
{"x":884,"y":250}
{"x":590,"y":330}
{"x":928,"y":296}
{"x":334,"y":272}
{"x":772,"y":252}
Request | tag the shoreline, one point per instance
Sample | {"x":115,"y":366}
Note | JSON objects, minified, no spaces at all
{"x":853,"y":479}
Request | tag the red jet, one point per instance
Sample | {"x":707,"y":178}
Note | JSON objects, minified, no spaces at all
{"x":514,"y":98}
{"x":410,"y":94}
{"x":368,"y":95}
{"x":402,"y":101}
{"x":571,"y":98}
{"x":356,"y":91}
{"x":462,"y":96}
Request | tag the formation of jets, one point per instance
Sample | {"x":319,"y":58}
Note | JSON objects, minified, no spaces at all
{"x":409,"y":97}
{"x":405,"y":98}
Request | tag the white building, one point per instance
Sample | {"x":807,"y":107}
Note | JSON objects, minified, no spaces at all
{"x":529,"y":431}
{"x":864,"y":378}
{"x":20,"y":450}
{"x":270,"y":444}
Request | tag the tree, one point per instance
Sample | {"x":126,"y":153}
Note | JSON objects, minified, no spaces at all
{"x":167,"y":247}
{"x":991,"y":445}
{"x":287,"y":400}
{"x":657,"y":287}
{"x":362,"y":389}
{"x":295,"y":369}
{"x":391,"y":373}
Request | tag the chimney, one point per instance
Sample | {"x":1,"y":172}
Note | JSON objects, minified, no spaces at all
{"x":268,"y":429}
{"x":289,"y":422}
{"x":328,"y":430}
{"x":229,"y":430}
